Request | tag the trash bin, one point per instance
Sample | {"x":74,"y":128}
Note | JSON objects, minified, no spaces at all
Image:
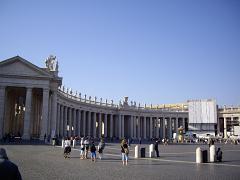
{"x":142,"y":152}
{"x":204,"y":156}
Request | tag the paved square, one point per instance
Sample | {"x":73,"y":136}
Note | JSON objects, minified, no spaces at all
{"x":175,"y":162}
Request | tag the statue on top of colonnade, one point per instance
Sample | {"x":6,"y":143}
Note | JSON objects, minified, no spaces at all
{"x":51,"y":63}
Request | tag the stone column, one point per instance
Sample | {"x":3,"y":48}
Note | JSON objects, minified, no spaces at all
{"x":84,"y":123}
{"x":89,"y":123}
{"x":105,"y":125}
{"x":183,"y":121}
{"x":62,"y":121}
{"x":151,"y":128}
{"x":2,"y":108}
{"x":94,"y":124}
{"x":58,"y":119}
{"x":54,"y":113}
{"x":139,"y":127}
{"x":27,"y":114}
{"x":144,"y":128}
{"x":134,"y":127}
{"x":49,"y":115}
{"x":120,"y":126}
{"x":74,"y":123}
{"x":170,"y":128}
{"x":111,"y":125}
{"x":225,"y":127}
{"x":44,"y":121}
{"x":123,"y":129}
{"x":70,"y":121}
{"x":79,"y":123}
{"x":218,"y":126}
{"x":163,"y":128}
{"x":65,"y":121}
{"x":157,"y":128}
{"x":100,"y":125}
{"x":176,"y":125}
{"x":131,"y":126}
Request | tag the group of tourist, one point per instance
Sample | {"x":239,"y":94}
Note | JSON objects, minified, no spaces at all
{"x":87,"y":145}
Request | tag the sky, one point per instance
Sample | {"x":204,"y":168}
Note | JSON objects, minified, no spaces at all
{"x":153,"y":51}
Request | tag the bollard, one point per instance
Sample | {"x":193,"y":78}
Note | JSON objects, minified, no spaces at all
{"x":63,"y":144}
{"x":136,"y":151}
{"x":151,"y":151}
{"x":53,"y":142}
{"x":212,"y":153}
{"x":199,"y":155}
{"x":74,"y":143}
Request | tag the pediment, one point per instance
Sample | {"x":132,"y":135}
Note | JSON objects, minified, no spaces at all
{"x":21,"y":67}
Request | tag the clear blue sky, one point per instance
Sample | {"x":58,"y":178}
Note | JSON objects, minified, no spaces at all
{"x":153,"y":51}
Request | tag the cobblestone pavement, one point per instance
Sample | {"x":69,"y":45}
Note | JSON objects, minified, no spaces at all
{"x":175,"y":162}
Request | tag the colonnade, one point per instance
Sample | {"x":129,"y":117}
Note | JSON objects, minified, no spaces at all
{"x":228,"y":122}
{"x":81,"y":122}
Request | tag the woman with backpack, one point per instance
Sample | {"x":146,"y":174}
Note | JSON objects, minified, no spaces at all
{"x":93,"y":152}
{"x":125,"y":152}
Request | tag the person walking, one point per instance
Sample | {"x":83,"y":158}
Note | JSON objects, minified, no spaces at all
{"x":86,"y":145}
{"x":93,"y":152}
{"x":8,"y":170}
{"x":219,"y":155}
{"x":156,"y":148}
{"x":125,"y":152}
{"x":67,"y":149}
{"x":82,"y":148}
{"x":101,"y":147}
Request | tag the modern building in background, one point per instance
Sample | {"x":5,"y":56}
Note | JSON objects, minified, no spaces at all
{"x":34,"y":104}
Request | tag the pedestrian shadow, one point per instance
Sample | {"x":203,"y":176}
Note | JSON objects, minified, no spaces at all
{"x":74,"y":157}
{"x":158,"y":164}
{"x":228,"y":161}
{"x":171,"y":156}
{"x":109,"y":159}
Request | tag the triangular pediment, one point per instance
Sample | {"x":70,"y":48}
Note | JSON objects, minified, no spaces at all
{"x":21,"y":67}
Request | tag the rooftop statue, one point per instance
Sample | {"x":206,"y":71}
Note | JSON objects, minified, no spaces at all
{"x":51,"y":63}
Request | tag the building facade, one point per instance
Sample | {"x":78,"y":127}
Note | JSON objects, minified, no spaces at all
{"x":34,"y":104}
